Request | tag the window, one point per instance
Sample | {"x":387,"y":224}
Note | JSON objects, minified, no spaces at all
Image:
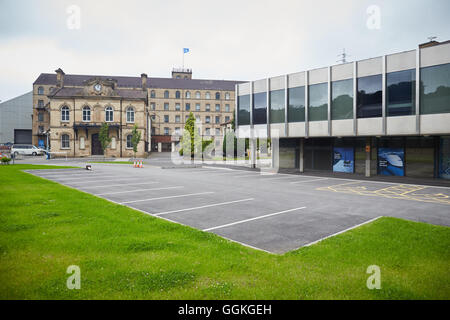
{"x":277,"y":106}
{"x":130,"y":114}
{"x":369,"y":100}
{"x":227,"y":108}
{"x":217,"y":131}
{"x":177,"y":119}
{"x":197,"y":107}
{"x":208,"y":96}
{"x":41,"y":129}
{"x":217,"y":119}
{"x":153,"y":131}
{"x":217,"y":107}
{"x":296,"y":108}
{"x":166,"y":131}
{"x":318,"y":102}
{"x":177,"y":130}
{"x":109,"y":113}
{"x":65,"y":142}
{"x":208,"y":107}
{"x":227,"y":96}
{"x":197,"y":95}
{"x":82,"y":144}
{"x":65,"y":116}
{"x":208,"y":131}
{"x":400,"y":93}
{"x":260,"y":108}
{"x":188,"y":95}
{"x":166,"y":106}
{"x":152,"y":94}
{"x":208,"y":119}
{"x":129,"y":144}
{"x":177,"y":107}
{"x":86,"y":114}
{"x":227,"y":118}
{"x":166,"y":94}
{"x":40,"y":90}
{"x":435,"y":89}
{"x":40,"y":103}
{"x":342,"y":99}
{"x":197,"y":119}
{"x":177,"y":95}
{"x":217,"y":95}
{"x":40,"y":116}
{"x":152,"y":106}
{"x":243,"y":110}
{"x":188,"y":106}
{"x":186,"y":118}
{"x":166,"y":118}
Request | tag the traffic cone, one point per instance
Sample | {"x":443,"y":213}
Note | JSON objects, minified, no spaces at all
{"x":141,"y":164}
{"x":134,"y":164}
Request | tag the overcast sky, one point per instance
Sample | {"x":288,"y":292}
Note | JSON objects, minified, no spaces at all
{"x":232,"y":39}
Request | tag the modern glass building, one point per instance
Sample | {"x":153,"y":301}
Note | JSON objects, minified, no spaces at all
{"x":388,"y":115}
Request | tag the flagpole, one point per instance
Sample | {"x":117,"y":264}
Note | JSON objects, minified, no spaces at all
{"x":183,"y":58}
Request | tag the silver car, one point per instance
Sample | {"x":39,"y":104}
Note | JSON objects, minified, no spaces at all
{"x":26,"y":149}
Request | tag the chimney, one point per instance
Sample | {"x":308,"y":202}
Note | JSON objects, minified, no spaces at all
{"x":144,"y":81}
{"x":59,"y":78}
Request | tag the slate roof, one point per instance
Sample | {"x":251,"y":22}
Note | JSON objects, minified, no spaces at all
{"x":135,"y":82}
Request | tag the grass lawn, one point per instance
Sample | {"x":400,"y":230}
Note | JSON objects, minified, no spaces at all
{"x":125,"y":254}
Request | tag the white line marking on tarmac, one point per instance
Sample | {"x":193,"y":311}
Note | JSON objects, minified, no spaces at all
{"x":249,"y":175}
{"x":87,"y":177}
{"x":304,"y":181}
{"x":201,"y":207}
{"x":252,"y":219}
{"x":118,"y":185}
{"x":168,"y":197}
{"x":283,"y":177}
{"x":138,"y":190}
{"x":337,"y":233}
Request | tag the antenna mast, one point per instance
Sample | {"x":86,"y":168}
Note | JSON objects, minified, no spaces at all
{"x":343,"y":56}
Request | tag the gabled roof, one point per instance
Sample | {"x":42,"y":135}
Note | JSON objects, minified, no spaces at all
{"x":135,"y":82}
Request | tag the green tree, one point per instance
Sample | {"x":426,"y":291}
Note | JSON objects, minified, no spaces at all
{"x":187,"y":140}
{"x":103,"y":136}
{"x":135,"y":138}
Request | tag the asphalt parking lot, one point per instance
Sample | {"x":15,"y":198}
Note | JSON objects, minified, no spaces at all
{"x":276,"y":213}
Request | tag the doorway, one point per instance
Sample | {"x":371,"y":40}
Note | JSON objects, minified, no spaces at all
{"x":96,"y":146}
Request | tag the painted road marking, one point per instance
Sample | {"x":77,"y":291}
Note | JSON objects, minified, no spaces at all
{"x":152,"y":189}
{"x":168,"y":197}
{"x":305,"y":181}
{"x":201,"y":207}
{"x":87,"y":177}
{"x":253,"y":219}
{"x":118,"y":185}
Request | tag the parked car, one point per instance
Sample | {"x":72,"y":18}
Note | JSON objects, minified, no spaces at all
{"x":26,"y":149}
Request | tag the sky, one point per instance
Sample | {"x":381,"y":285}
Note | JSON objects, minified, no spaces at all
{"x":232,"y":39}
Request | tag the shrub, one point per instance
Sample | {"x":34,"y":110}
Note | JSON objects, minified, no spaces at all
{"x":6,"y":160}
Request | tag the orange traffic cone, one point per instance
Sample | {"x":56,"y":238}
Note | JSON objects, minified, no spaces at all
{"x":141,"y":164}
{"x":134,"y":164}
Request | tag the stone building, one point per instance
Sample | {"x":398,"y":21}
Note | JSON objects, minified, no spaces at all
{"x":69,"y":110}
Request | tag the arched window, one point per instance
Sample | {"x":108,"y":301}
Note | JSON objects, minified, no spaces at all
{"x":130,"y":114}
{"x":166,"y":94}
{"x":217,"y":95}
{"x":177,"y":95}
{"x":65,"y":141}
{"x":197,"y":95}
{"x":129,"y":144}
{"x":227,"y":96}
{"x":41,"y":90}
{"x":152,"y":94}
{"x":86,"y":113}
{"x":109,"y":114}
{"x":65,"y":115}
{"x":208,"y":95}
{"x":188,"y":94}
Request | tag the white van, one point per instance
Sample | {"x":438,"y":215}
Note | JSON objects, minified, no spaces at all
{"x":26,"y":149}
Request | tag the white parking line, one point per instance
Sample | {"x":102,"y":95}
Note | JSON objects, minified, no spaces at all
{"x":304,"y":181}
{"x":118,"y":185}
{"x":201,"y":207}
{"x":152,"y":189}
{"x":169,"y":197}
{"x":280,"y":178}
{"x":252,"y":219}
{"x":249,"y":175}
{"x":87,"y":177}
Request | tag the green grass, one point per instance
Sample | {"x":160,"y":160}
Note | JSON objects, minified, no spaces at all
{"x":125,"y":254}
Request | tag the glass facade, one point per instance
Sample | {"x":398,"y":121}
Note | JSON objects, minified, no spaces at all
{"x":369,"y":102}
{"x":296,"y":108}
{"x":277,"y":106}
{"x":244,"y":110}
{"x":401,"y":93}
{"x":435,"y":89}
{"x":260,"y":108}
{"x":318,"y":102}
{"x":342,"y":99}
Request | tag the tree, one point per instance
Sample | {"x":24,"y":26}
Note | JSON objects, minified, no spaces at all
{"x":103,"y":136}
{"x":135,"y":139}
{"x":188,"y":138}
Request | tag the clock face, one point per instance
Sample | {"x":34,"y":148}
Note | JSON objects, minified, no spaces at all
{"x":98,"y":87}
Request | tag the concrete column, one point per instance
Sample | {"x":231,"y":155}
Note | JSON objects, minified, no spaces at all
{"x":302,"y":155}
{"x":368,"y":153}
{"x":159,"y":147}
{"x":275,"y":153}
{"x":173,"y":147}
{"x":253,"y":152}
